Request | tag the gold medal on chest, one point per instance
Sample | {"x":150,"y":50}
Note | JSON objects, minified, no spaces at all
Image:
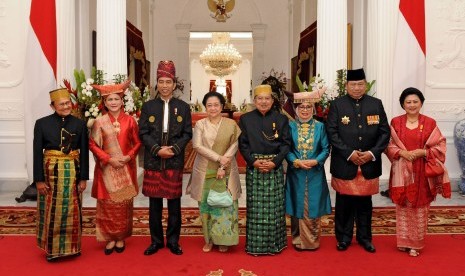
{"x":152,"y":119}
{"x":179,"y":119}
{"x":345,"y":120}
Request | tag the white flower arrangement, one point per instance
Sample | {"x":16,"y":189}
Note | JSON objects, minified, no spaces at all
{"x":91,"y":98}
{"x":133,"y":100}
{"x":87,"y":102}
{"x":129,"y":106}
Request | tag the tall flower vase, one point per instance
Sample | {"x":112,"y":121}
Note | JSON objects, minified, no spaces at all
{"x":459,"y":139}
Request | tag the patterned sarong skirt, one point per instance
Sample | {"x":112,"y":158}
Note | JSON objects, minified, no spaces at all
{"x":266,"y":220}
{"x":59,"y":212}
{"x":113,"y":220}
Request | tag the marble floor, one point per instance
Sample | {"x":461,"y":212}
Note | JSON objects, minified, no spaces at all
{"x":7,"y":198}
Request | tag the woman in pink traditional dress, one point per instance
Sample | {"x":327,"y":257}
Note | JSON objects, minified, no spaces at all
{"x":415,"y":138}
{"x":215,"y":141}
{"x":115,"y":142}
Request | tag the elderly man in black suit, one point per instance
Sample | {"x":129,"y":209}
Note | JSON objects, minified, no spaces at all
{"x":359,"y":132}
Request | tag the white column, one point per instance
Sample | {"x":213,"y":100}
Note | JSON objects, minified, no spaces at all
{"x":139,"y":14}
{"x":331,"y":38}
{"x":111,"y":37}
{"x":66,"y":40}
{"x":359,"y":31}
{"x":258,"y":63}
{"x":290,"y":36}
{"x":382,"y":22}
{"x":84,"y":41}
{"x":149,"y":52}
{"x":372,"y":42}
{"x":182,"y":61}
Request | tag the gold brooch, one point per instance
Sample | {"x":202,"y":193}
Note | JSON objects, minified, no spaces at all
{"x":152,"y":119}
{"x":345,"y":120}
{"x":179,"y":118}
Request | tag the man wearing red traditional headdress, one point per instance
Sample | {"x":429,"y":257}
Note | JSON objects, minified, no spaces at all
{"x":165,"y":128}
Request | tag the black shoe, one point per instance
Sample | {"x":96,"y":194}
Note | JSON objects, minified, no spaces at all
{"x":368,"y":246}
{"x":108,"y":251}
{"x":342,"y":246}
{"x":153,"y":248}
{"x":120,"y":249}
{"x":385,"y":193}
{"x":51,"y":259}
{"x":175,"y":248}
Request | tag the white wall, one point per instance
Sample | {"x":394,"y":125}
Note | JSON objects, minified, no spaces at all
{"x":14,"y":22}
{"x":445,"y":70}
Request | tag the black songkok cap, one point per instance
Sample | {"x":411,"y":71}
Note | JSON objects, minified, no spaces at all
{"x":355,"y":75}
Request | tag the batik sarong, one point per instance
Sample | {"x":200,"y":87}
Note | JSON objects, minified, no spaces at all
{"x":220,"y":225}
{"x":113,"y":220}
{"x":306,"y":231}
{"x":59,"y":212}
{"x":411,"y":226}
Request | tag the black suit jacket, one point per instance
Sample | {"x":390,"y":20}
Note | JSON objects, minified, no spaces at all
{"x":356,"y":125}
{"x":47,"y":136}
{"x":151,"y":130}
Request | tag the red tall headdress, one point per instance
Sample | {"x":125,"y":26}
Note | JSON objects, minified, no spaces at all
{"x":166,"y":69}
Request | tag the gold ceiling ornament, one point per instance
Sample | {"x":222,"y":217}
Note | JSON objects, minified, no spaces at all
{"x":220,"y":58}
{"x":220,"y":9}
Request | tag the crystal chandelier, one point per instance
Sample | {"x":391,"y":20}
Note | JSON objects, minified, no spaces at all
{"x":220,"y":58}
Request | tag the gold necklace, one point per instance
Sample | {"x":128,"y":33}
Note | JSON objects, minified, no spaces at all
{"x":116,"y":126}
{"x":273,"y":137}
{"x":412,"y":122}
{"x":306,"y":133}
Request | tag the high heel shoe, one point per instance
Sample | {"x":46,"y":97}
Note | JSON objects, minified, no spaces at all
{"x":108,"y":251}
{"x":120,"y":249}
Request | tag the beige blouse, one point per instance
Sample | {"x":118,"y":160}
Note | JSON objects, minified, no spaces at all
{"x":204,"y":137}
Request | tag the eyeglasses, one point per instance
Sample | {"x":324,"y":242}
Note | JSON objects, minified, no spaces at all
{"x":309,"y":107}
{"x":65,"y":104}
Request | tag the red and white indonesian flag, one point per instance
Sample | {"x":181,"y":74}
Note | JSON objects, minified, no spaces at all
{"x":410,"y":50}
{"x":40,"y":69}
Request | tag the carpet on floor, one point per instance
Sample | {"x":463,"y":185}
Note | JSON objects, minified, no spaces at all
{"x":22,"y":221}
{"x":443,"y":255}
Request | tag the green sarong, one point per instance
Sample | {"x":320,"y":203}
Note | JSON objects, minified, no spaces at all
{"x":266,"y":221}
